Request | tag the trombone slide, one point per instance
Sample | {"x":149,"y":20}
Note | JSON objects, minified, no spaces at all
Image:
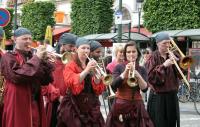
{"x":181,"y":73}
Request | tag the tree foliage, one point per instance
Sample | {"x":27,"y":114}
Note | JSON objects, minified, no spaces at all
{"x":36,"y":16}
{"x":171,"y":14}
{"x":91,"y":16}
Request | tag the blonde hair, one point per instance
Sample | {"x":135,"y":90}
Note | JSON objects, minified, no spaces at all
{"x":119,"y":48}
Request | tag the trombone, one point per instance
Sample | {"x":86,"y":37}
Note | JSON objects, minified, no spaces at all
{"x":107,"y":78}
{"x":185,"y":61}
{"x":179,"y":70}
{"x":132,"y":81}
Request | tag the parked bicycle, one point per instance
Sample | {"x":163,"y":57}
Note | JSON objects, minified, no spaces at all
{"x":196,"y":92}
{"x":192,"y":95}
{"x":183,"y":93}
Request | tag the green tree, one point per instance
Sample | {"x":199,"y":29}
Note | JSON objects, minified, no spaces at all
{"x":8,"y":29}
{"x":36,"y":16}
{"x":91,"y":16}
{"x":171,"y":14}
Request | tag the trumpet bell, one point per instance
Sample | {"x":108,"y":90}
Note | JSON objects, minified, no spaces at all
{"x":132,"y":82}
{"x":107,"y":80}
{"x":186,"y":62}
{"x":66,"y":57}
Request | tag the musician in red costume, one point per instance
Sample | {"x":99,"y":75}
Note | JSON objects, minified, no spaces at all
{"x":25,"y":73}
{"x":81,"y":106}
{"x":55,"y":91}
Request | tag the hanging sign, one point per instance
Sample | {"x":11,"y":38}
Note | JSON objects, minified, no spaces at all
{"x":118,"y":17}
{"x":4,"y":17}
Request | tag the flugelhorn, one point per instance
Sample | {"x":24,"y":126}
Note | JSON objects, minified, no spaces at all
{"x":179,"y":70}
{"x":132,"y":81}
{"x":185,"y":61}
{"x":107,"y":78}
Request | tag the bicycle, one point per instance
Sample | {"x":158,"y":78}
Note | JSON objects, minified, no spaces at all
{"x":195,"y":93}
{"x":183,"y":92}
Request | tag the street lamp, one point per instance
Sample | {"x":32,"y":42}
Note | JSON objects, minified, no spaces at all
{"x":139,"y":15}
{"x":139,"y":7}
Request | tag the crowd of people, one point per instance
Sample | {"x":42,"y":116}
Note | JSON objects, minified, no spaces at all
{"x":40,"y":90}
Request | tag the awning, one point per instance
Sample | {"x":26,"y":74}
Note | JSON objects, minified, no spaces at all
{"x":112,"y":37}
{"x":193,"y":34}
{"x":142,"y":31}
{"x":57,"y":32}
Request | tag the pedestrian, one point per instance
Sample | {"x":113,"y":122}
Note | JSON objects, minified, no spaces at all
{"x":80,"y":106}
{"x":55,"y":91}
{"x":24,"y":75}
{"x":163,"y":105}
{"x":128,"y":108}
{"x":119,"y":58}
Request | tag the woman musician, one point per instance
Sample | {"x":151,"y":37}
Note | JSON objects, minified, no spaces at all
{"x":80,"y":106}
{"x":128,"y":109}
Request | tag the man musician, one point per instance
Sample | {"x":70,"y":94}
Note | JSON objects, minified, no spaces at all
{"x":56,"y":90}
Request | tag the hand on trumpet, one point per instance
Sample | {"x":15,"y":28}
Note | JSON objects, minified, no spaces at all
{"x":128,"y":69}
{"x":43,"y":54}
{"x":90,"y":66}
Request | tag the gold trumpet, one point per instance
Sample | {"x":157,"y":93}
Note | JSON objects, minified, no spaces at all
{"x":132,"y":81}
{"x":65,"y":57}
{"x":107,"y":78}
{"x":112,"y":94}
{"x":185,"y":61}
{"x":179,"y":70}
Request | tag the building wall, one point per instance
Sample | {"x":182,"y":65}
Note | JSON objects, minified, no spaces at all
{"x":132,"y":7}
{"x":129,"y":5}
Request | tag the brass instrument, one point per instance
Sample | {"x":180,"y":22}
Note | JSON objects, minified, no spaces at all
{"x":65,"y":57}
{"x":132,"y":81}
{"x":107,"y":78}
{"x":179,"y":70}
{"x":185,"y":61}
{"x":112,"y":94}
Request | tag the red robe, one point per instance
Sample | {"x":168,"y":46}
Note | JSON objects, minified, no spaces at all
{"x":23,"y":103}
{"x":1,"y":106}
{"x":71,"y":76}
{"x":54,"y":90}
{"x":80,"y":106}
